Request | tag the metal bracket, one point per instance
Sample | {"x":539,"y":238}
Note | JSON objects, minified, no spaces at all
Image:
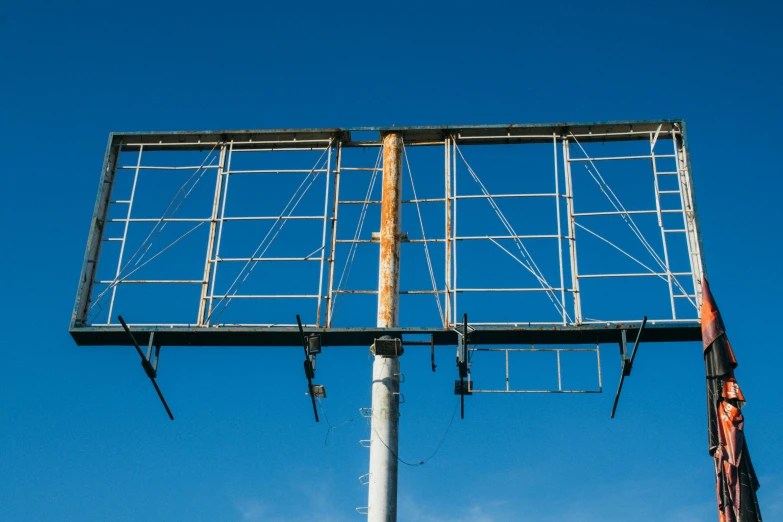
{"x":462,"y":388}
{"x":463,"y":363}
{"x":387,"y":347}
{"x":432,"y":352}
{"x":403,"y":237}
{"x":627,"y":363}
{"x":150,"y":368}
{"x":319,"y":391}
{"x":309,"y":368}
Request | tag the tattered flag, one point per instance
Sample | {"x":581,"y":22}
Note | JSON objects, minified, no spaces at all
{"x":736,"y":481}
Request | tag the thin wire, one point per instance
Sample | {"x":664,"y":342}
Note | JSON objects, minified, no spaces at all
{"x":504,"y":249}
{"x":618,"y":248}
{"x":326,"y":418}
{"x":437,"y":447}
{"x":360,"y":224}
{"x":627,"y":218}
{"x":424,"y":238}
{"x":346,"y":273}
{"x":163,"y":216}
{"x":520,"y":245}
{"x":281,"y":220}
{"x":126,"y":276}
{"x":173,"y":213}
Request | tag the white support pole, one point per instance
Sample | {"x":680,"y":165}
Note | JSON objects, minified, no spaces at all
{"x":382,"y":496}
{"x":211,"y":258}
{"x":572,"y":233}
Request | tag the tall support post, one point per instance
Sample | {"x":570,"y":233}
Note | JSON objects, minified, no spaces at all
{"x":323,"y":238}
{"x":559,"y":234}
{"x":689,"y":213}
{"x":333,"y":249}
{"x":382,"y":497}
{"x":572,"y":233}
{"x":213,"y":224}
{"x":447,"y":205}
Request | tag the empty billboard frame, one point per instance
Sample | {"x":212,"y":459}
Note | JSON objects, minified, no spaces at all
{"x":565,"y":233}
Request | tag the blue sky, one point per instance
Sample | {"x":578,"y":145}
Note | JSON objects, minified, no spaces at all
{"x":81,"y":434}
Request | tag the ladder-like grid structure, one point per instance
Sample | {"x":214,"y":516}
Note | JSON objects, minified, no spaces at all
{"x":569,"y":149}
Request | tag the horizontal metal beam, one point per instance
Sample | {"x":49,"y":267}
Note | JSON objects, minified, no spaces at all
{"x":308,"y":139}
{"x":290,"y":336}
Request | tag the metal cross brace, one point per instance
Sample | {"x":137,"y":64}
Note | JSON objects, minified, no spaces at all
{"x":151,"y":369}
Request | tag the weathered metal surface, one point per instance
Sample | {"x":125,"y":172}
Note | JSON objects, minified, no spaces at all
{"x":95,"y":239}
{"x":391,"y":203}
{"x":384,"y":428}
{"x":213,"y":227}
{"x":464,"y":134}
{"x":384,"y":440}
{"x":187,"y":332}
{"x":364,"y":337}
{"x":447,"y":232}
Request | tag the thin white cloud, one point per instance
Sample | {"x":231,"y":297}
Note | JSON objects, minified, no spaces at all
{"x":249,"y":509}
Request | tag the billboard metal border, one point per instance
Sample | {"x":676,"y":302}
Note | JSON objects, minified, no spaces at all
{"x":421,"y":135}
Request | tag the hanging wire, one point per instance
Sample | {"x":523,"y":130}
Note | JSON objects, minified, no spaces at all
{"x":148,"y":261}
{"x":618,"y":248}
{"x":281,"y":220}
{"x":424,"y":239}
{"x":618,"y":206}
{"x":119,"y":278}
{"x":331,"y":426}
{"x":530,"y":263}
{"x":437,"y":446}
{"x":346,"y":273}
{"x":173,"y":213}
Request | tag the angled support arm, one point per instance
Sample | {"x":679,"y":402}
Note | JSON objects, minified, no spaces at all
{"x":627,"y":363}
{"x":308,"y":365}
{"x":461,"y":387}
{"x":151,"y":369}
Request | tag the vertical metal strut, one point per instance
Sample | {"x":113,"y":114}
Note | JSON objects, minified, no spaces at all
{"x":382,"y":497}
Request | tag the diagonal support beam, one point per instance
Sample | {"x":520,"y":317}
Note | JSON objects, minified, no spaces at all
{"x":627,"y":363}
{"x":309,"y":372}
{"x":149,"y":369}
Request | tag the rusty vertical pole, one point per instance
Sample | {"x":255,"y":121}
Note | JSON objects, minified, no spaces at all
{"x":382,"y":497}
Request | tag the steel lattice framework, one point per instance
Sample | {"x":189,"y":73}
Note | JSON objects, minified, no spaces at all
{"x":470,"y":201}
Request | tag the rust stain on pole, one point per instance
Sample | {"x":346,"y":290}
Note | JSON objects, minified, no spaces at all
{"x":391,"y":205}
